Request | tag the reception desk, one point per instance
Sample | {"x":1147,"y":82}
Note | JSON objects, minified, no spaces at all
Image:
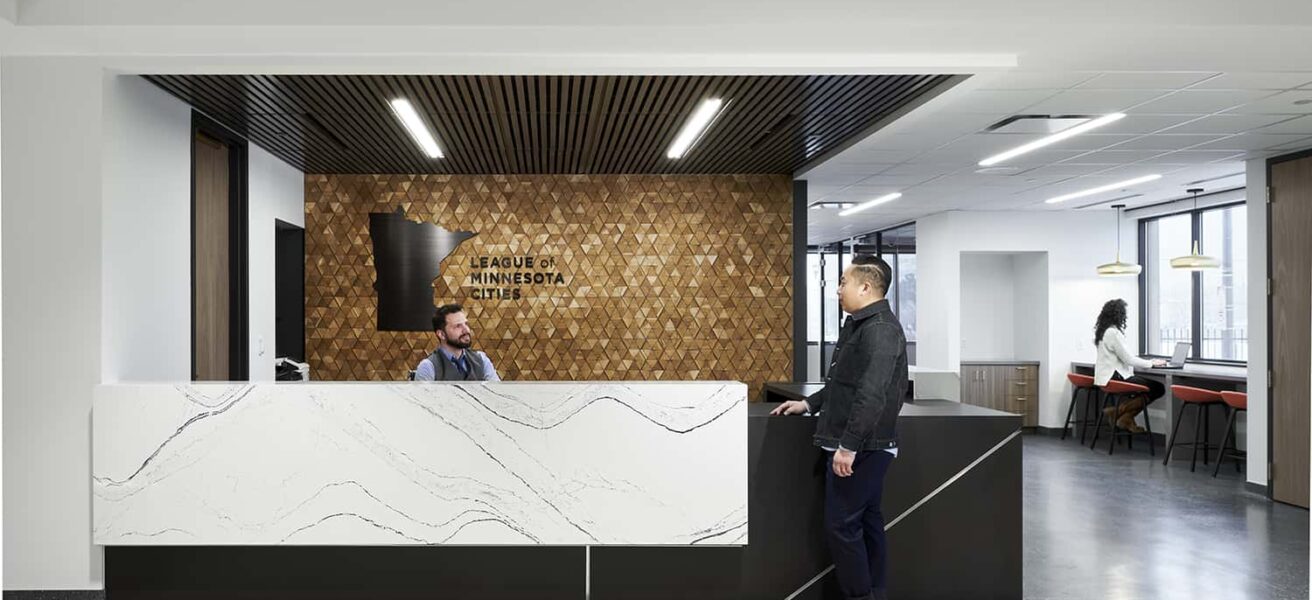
{"x":564,"y":490}
{"x":420,"y":464}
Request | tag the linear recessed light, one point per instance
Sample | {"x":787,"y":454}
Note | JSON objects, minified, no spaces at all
{"x":1052,"y":139}
{"x":415,"y":126}
{"x":1104,"y":188}
{"x":696,"y":126}
{"x":876,"y":202}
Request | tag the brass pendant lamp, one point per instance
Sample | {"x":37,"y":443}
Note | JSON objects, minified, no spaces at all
{"x":1118,"y":268}
{"x":1195,"y":260}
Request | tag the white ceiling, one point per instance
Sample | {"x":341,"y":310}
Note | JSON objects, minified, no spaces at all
{"x":1186,"y":126}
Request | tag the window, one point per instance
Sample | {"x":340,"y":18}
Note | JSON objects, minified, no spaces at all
{"x":1225,"y":290}
{"x":1169,"y":306}
{"x":1208,"y":308}
{"x":825,"y":265}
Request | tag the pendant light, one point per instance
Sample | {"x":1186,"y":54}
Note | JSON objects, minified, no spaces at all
{"x":1118,"y":268}
{"x":1194,"y":261}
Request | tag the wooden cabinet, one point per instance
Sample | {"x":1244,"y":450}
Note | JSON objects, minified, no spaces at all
{"x":1008,"y":387}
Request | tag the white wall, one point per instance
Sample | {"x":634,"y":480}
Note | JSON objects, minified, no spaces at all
{"x":96,"y":285}
{"x":988,"y":302}
{"x":1258,"y":327}
{"x":1031,"y":309}
{"x":277,"y":191}
{"x":51,"y":284}
{"x":1076,"y":242}
{"x":147,"y":233}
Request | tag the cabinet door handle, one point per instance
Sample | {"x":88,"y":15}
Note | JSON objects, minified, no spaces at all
{"x":1021,"y":382}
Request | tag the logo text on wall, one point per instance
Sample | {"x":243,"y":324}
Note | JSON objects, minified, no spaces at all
{"x":506,"y":277}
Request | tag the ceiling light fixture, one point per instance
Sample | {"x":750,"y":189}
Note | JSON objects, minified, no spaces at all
{"x":1104,"y":188}
{"x":832,"y":205}
{"x":419,"y":132}
{"x":1052,"y":139}
{"x":873,"y":203}
{"x":696,"y":126}
{"x":1194,"y":261}
{"x":1118,"y":268}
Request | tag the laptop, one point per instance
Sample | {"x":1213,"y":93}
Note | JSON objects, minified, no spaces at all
{"x":1177,"y":359}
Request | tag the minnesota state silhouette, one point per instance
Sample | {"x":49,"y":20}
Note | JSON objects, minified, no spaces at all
{"x":408,"y":256}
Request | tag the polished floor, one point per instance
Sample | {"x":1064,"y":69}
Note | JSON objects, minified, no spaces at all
{"x":1124,"y":527}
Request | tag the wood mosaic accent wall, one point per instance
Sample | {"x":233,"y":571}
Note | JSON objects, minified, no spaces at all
{"x":660,"y":277}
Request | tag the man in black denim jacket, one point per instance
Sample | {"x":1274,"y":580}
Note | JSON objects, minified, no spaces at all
{"x":857,"y":426}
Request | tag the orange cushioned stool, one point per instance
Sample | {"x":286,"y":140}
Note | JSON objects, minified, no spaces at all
{"x":1235,"y":401}
{"x":1081,"y":383}
{"x":1114,"y":392}
{"x":1202,"y":402}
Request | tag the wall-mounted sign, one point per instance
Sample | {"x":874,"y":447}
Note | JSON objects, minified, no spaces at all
{"x":408,"y":256}
{"x":505,"y":277}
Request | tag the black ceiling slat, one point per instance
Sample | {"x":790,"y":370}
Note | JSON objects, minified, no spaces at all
{"x":632,"y":114}
{"x":761,"y":108}
{"x":787,"y":145}
{"x":295,"y":87}
{"x":620,"y":101}
{"x":642,"y":147}
{"x":331,"y":150}
{"x":817,"y":98}
{"x":316,"y":91}
{"x":869,"y":104}
{"x":359,"y":95}
{"x":328,"y":106}
{"x":385,"y":87}
{"x":582,"y":110}
{"x":766,"y":105}
{"x":490,"y":101}
{"x":460,"y":93}
{"x":737,"y":91}
{"x":223,"y":108}
{"x":594,"y":122}
{"x":494,"y":103}
{"x":483,"y":127}
{"x":667,"y":109}
{"x":649,"y":149}
{"x":510,"y":124}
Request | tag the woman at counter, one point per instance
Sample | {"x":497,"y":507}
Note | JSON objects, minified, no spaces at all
{"x":1115,"y":361}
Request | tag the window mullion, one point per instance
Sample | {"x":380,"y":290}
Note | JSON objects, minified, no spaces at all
{"x":1196,"y":318}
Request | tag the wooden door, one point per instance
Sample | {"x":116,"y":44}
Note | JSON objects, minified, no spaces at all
{"x":211,"y":273}
{"x":1290,"y":327}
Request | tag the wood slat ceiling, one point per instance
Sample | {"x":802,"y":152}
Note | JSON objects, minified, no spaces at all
{"x":547,"y":124}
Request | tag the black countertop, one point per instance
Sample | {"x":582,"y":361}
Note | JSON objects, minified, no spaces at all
{"x":1002,"y":363}
{"x":921,"y":408}
{"x":1196,"y":371}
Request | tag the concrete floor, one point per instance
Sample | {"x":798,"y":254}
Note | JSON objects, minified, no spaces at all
{"x":1126,"y":527}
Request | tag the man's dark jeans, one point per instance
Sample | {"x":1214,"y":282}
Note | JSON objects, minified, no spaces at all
{"x":855,"y":525}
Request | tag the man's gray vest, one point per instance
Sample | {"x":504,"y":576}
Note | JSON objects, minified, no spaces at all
{"x":445,"y":370}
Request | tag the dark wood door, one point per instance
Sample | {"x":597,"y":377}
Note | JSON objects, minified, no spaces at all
{"x":211,"y":268}
{"x":1290,"y":327}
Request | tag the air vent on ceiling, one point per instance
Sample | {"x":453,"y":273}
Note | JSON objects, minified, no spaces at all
{"x":1040,"y":124}
{"x":783,"y":123}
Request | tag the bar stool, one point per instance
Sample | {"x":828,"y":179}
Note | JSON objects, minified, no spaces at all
{"x":1113,"y":392}
{"x":1202,"y":401}
{"x":1236,"y":401}
{"x":1081,"y":383}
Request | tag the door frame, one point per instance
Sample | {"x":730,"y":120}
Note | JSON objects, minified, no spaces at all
{"x":238,"y":225}
{"x":1270,"y":383}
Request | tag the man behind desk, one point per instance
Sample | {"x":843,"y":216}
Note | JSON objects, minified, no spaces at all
{"x":857,"y":426}
{"x":453,"y":360}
